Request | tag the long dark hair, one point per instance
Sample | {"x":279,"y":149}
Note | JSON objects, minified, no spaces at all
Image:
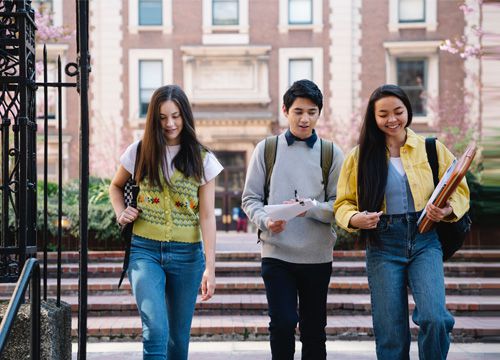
{"x":372,"y":163}
{"x":189,"y":160}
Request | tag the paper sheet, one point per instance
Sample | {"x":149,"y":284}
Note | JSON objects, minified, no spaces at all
{"x":288,"y":211}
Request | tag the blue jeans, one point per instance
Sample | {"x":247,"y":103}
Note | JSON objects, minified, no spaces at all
{"x":404,"y":258}
{"x":285,"y":281}
{"x":165,"y":278}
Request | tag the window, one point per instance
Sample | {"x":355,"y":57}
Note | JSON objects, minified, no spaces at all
{"x":148,"y":69}
{"x":150,"y":15}
{"x":150,"y":12}
{"x":225,"y":12}
{"x":411,"y":76}
{"x":411,"y":11}
{"x":414,"y":66}
{"x":412,"y":14}
{"x":300,"y":15}
{"x":300,"y":12}
{"x":294,"y":66}
{"x":225,"y":22}
{"x":299,"y":69}
{"x":150,"y":78}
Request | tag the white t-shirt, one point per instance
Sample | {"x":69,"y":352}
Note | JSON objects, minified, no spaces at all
{"x":398,"y":165}
{"x":212,"y":166}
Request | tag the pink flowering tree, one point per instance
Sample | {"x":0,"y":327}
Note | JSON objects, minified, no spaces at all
{"x":47,"y":33}
{"x":454,"y":116}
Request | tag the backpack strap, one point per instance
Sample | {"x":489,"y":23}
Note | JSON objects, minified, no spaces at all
{"x":430,"y":148}
{"x":326,"y":162}
{"x":270,"y":150}
{"x":133,"y":203}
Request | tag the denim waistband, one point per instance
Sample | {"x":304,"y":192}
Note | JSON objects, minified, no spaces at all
{"x":151,"y":243}
{"x":410,"y":216}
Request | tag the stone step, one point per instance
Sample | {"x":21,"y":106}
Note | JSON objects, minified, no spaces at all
{"x":252,"y":268}
{"x":476,"y":255}
{"x":256,"y":304}
{"x":467,"y":328}
{"x":346,"y":284}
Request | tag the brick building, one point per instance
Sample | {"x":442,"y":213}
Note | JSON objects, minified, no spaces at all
{"x":235,"y":59}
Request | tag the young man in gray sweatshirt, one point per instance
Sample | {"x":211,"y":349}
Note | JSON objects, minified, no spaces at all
{"x":297,"y":254}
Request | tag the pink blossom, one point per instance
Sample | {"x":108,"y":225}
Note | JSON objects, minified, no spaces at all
{"x":467,"y":9}
{"x":47,"y":31}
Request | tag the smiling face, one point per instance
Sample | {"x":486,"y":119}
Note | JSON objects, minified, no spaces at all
{"x":391,"y":116}
{"x":302,"y":117}
{"x":171,"y":122}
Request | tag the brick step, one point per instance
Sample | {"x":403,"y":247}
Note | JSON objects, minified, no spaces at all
{"x":256,"y":304}
{"x":476,"y":255}
{"x":347,"y":284}
{"x":467,"y":328}
{"x":252,"y":268}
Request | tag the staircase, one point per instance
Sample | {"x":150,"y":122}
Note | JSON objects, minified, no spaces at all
{"x":239,"y":309}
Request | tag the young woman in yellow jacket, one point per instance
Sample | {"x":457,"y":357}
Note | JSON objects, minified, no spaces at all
{"x":384,"y":185}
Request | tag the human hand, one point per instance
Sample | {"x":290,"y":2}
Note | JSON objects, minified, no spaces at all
{"x":365,"y":220}
{"x":208,"y":283}
{"x":276,"y":226}
{"x":127,"y":216}
{"x":437,"y":214}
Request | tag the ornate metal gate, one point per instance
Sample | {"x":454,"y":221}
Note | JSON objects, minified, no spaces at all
{"x":18,"y":176}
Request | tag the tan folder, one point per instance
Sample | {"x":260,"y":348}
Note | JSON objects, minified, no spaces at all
{"x":447,"y":185}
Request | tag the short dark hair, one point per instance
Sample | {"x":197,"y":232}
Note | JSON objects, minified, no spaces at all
{"x":303,"y":89}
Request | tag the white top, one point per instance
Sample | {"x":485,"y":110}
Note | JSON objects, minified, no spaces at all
{"x":398,"y":165}
{"x":212,"y":166}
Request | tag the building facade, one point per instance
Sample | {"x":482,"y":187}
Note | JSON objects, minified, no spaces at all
{"x":236,"y":58}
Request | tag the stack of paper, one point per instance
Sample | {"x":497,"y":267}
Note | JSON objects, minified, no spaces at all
{"x":288,"y":211}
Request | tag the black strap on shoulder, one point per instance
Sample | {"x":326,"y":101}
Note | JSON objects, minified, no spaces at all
{"x":270,"y":150}
{"x":430,"y":148}
{"x":137,"y":155}
{"x":326,"y":163}
{"x":128,"y":228}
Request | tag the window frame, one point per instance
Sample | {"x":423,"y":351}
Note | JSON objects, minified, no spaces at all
{"x":134,"y":58}
{"x":139,"y":14}
{"x":430,"y":17}
{"x":133,"y":18}
{"x":422,"y":20}
{"x":140,"y":89}
{"x":425,"y":61}
{"x":412,"y":50}
{"x":311,"y":3}
{"x":225,"y":34}
{"x":287,"y":54}
{"x":317,"y":18}
{"x":237,"y":13}
{"x":290,"y":60}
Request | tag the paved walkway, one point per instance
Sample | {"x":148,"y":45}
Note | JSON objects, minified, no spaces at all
{"x":252,"y":350}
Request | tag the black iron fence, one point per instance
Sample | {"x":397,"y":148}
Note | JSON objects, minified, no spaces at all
{"x":18,"y":85}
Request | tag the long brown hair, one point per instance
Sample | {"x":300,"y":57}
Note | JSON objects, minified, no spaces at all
{"x":372,"y":163}
{"x":153,"y":149}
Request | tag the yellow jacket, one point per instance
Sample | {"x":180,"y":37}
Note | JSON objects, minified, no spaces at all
{"x":418,"y":171}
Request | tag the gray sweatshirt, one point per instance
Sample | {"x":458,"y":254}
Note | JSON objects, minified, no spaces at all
{"x":305,"y":240}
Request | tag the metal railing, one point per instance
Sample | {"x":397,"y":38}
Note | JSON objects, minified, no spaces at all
{"x":30,"y":275}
